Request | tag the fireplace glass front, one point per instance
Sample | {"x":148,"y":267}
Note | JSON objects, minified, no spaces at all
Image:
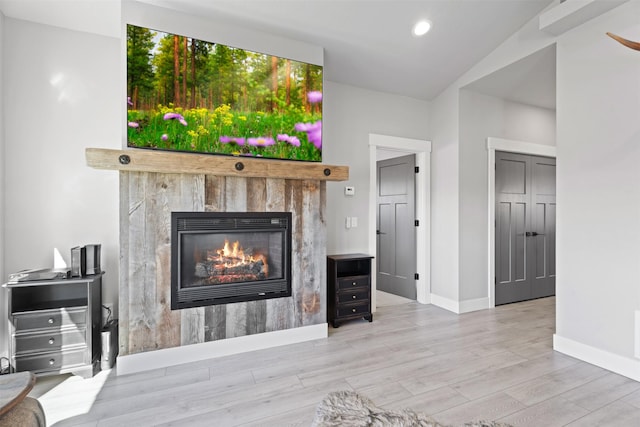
{"x":225,"y":257}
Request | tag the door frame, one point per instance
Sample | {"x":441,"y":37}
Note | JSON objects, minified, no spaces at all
{"x":422,"y":151}
{"x":509,"y":146}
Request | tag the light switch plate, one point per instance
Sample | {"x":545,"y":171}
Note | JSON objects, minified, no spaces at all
{"x":349,"y":191}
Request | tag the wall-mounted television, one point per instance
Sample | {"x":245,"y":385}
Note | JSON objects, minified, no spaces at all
{"x":191,"y":95}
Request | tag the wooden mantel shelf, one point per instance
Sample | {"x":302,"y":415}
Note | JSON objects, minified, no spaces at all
{"x":174,"y":162}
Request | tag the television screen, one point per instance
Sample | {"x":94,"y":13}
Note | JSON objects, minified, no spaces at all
{"x":191,"y":95}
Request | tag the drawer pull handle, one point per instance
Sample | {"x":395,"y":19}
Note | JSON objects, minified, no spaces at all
{"x":50,"y":320}
{"x":51,"y":362}
{"x":353,"y":309}
{"x":354,"y":297}
{"x":51,"y":340}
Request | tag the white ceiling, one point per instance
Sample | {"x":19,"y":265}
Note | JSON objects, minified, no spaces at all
{"x":531,"y":80}
{"x":92,"y":16}
{"x":368,"y":43}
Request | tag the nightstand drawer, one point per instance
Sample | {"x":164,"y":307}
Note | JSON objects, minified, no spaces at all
{"x":55,"y":318}
{"x":41,"y":342}
{"x":353,"y":282}
{"x":357,"y":296}
{"x":353,"y":310}
{"x":52,"y":361}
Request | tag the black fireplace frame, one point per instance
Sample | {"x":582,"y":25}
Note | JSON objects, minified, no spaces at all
{"x":187,"y":297}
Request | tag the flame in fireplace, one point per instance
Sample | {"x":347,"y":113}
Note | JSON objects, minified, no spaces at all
{"x":236,"y":252}
{"x":233,"y":255}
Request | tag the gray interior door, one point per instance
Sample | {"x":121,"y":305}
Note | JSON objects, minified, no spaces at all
{"x":525,"y":227}
{"x":396,"y":245}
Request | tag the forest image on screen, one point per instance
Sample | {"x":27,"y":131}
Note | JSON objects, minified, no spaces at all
{"x":191,"y":95}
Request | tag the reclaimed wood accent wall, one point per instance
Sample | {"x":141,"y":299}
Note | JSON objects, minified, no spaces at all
{"x":146,"y":201}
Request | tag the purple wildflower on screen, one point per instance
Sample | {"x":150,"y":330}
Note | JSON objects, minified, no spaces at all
{"x":176,"y":116}
{"x":133,"y":125}
{"x":262,"y":141}
{"x":308,"y":127}
{"x":228,"y":139}
{"x":314,"y":96}
{"x":302,"y":127}
{"x":164,"y":137}
{"x":315,"y":137}
{"x":314,"y":132}
{"x":293,"y":140}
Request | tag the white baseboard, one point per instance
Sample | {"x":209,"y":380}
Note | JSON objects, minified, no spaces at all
{"x":469,"y":305}
{"x":460,"y":307}
{"x":163,"y":358}
{"x":612,"y":362}
{"x":425,"y":298}
{"x":446,"y":303}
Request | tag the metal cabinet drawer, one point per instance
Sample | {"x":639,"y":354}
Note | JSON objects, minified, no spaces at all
{"x":353,"y":282}
{"x":54,"y":340}
{"x":52,"y":361}
{"x":357,"y":296}
{"x":55,"y":318}
{"x":353,"y":310}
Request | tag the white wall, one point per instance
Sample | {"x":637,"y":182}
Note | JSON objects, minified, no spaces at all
{"x":350,"y":115}
{"x":61,"y":95}
{"x":444,"y":196}
{"x":598,"y":217}
{"x":483,"y":116}
{"x":3,"y":307}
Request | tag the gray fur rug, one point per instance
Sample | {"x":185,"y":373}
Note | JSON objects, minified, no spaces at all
{"x":349,"y":409}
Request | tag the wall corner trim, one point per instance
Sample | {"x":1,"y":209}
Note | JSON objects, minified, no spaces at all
{"x":446,"y":303}
{"x":460,"y":307}
{"x":469,"y":305}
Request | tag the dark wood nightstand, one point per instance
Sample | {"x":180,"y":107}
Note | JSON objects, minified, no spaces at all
{"x":348,"y":288}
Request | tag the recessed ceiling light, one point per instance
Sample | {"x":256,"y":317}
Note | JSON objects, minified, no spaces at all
{"x":421,"y":28}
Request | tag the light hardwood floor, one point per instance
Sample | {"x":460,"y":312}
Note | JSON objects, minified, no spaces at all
{"x":494,"y":364}
{"x":384,"y":299}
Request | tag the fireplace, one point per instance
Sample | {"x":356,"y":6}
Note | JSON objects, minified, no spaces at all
{"x":227,"y":257}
